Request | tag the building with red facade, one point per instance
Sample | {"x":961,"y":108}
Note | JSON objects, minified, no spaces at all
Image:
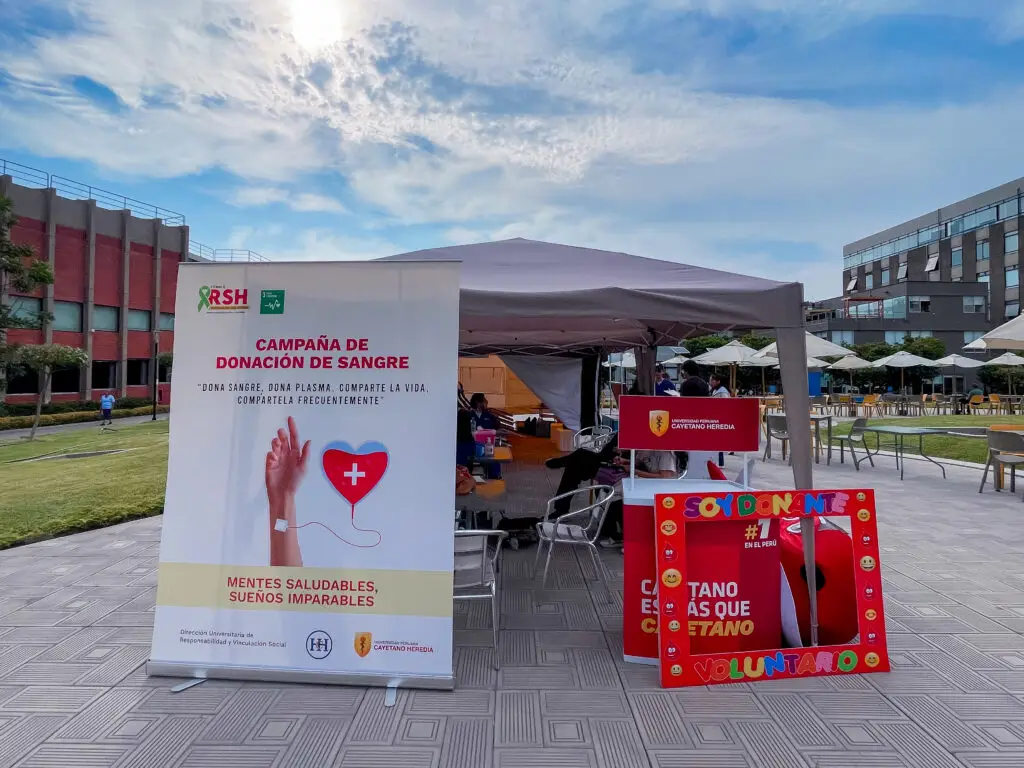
{"x":114,"y":288}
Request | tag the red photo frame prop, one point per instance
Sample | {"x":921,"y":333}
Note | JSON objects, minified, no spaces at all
{"x":679,"y":667}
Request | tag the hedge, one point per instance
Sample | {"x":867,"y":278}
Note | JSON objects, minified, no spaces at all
{"x":75,"y":417}
{"x":70,"y":406}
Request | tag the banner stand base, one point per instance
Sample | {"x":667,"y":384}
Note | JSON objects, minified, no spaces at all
{"x":310,"y":677}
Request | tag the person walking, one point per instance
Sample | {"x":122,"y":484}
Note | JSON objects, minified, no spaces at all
{"x":107,"y":407}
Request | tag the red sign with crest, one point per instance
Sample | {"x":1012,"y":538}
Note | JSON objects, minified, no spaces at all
{"x":667,"y":423}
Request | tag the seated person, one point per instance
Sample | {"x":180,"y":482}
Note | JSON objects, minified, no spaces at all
{"x":480,"y":417}
{"x":465,"y":443}
{"x":650,"y":464}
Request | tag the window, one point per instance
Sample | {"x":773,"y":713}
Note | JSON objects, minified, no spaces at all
{"x":869,"y":281}
{"x":919,"y":334}
{"x":1012,"y":308}
{"x":933,"y":263}
{"x":885,"y":277}
{"x":138,"y":373}
{"x":894,"y":337}
{"x":105,"y":318}
{"x":920,"y":304}
{"x":1012,"y":277}
{"x":166,"y":322}
{"x":25,"y":310}
{"x":842,"y":337}
{"x":1011,"y":241}
{"x":25,"y":383}
{"x":139,"y":320}
{"x":852,"y":285}
{"x":983,"y":277}
{"x":974,"y":305}
{"x":970,"y":336}
{"x":67,"y":316}
{"x":1008,"y":210}
{"x":902,"y":274}
{"x":895,"y":308}
{"x":66,"y":380}
{"x":958,"y":257}
{"x":983,"y":250}
{"x":104,"y":374}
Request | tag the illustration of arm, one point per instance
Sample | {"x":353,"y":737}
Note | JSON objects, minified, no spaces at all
{"x":285,"y":468}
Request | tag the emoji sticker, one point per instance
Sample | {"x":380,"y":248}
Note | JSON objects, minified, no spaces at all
{"x":671,"y":650}
{"x":864,"y":515}
{"x":872,"y":659}
{"x":861,"y":496}
{"x":870,"y":614}
{"x":867,"y":563}
{"x":676,"y":670}
{"x":668,"y":503}
{"x":669,"y":554}
{"x":670,"y":608}
{"x":673,"y":626}
{"x":668,"y":527}
{"x":673,"y":578}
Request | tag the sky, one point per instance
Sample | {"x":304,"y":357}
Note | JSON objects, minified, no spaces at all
{"x":757,"y":136}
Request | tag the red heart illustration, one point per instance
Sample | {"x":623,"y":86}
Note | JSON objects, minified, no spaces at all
{"x":354,"y":472}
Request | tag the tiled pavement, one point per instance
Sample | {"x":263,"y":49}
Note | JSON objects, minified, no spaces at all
{"x":75,"y":617}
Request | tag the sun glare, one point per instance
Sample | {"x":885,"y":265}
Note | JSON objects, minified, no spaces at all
{"x":317,"y":24}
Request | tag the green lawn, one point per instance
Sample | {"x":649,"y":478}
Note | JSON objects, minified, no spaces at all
{"x":40,"y":499}
{"x":941,"y":446}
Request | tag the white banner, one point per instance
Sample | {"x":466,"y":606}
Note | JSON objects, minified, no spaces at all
{"x":308,"y":525}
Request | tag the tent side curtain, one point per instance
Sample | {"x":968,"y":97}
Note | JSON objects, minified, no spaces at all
{"x":555,"y":380}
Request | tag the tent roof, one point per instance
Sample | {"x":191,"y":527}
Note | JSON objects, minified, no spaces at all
{"x":531,"y":296}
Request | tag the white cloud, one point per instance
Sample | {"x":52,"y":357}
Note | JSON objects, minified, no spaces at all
{"x":305,"y":202}
{"x":647,"y":163}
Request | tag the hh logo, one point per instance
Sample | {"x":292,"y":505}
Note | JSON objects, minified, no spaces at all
{"x":363,"y":643}
{"x":659,"y":422}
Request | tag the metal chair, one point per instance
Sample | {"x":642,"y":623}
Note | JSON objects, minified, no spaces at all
{"x":577,"y":528}
{"x":1004,"y":449}
{"x":592,"y":438}
{"x":856,"y":437}
{"x":477,"y":568}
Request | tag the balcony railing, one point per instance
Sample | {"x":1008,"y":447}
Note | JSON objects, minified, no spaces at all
{"x":76,"y":190}
{"x":206,"y":253}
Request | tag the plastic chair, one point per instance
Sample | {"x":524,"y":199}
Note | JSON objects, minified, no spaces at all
{"x":477,"y":568}
{"x":576,"y":528}
{"x":995,"y":405}
{"x":778,"y":429}
{"x":856,"y":437}
{"x":1004,"y":449}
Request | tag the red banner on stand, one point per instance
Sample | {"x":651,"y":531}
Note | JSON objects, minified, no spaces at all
{"x":689,"y":423}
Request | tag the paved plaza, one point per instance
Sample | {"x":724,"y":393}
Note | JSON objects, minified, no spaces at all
{"x":76,"y":613}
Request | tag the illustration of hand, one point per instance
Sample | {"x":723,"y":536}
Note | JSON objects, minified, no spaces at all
{"x":284,"y":469}
{"x":286,"y":464}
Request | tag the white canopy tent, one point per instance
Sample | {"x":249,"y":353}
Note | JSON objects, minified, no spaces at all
{"x":904,"y":360}
{"x":525,"y":297}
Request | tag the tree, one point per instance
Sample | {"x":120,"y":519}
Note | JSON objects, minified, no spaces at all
{"x":166,"y":359}
{"x":928,"y":347}
{"x":43,"y":358}
{"x":756,"y":341}
{"x":698,"y":345}
{"x":20,"y":272}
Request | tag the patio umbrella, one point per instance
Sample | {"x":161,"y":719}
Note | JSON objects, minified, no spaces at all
{"x":1008,"y":359}
{"x":732,"y":354}
{"x":677,"y":360}
{"x":762,"y":363}
{"x":903,"y":360}
{"x":816,"y":347}
{"x":1007,"y":336}
{"x":812,"y":362}
{"x":850,"y":363}
{"x":959,"y":361}
{"x":628,"y":360}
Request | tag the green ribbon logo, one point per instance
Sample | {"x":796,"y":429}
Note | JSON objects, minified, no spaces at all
{"x":204,"y":298}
